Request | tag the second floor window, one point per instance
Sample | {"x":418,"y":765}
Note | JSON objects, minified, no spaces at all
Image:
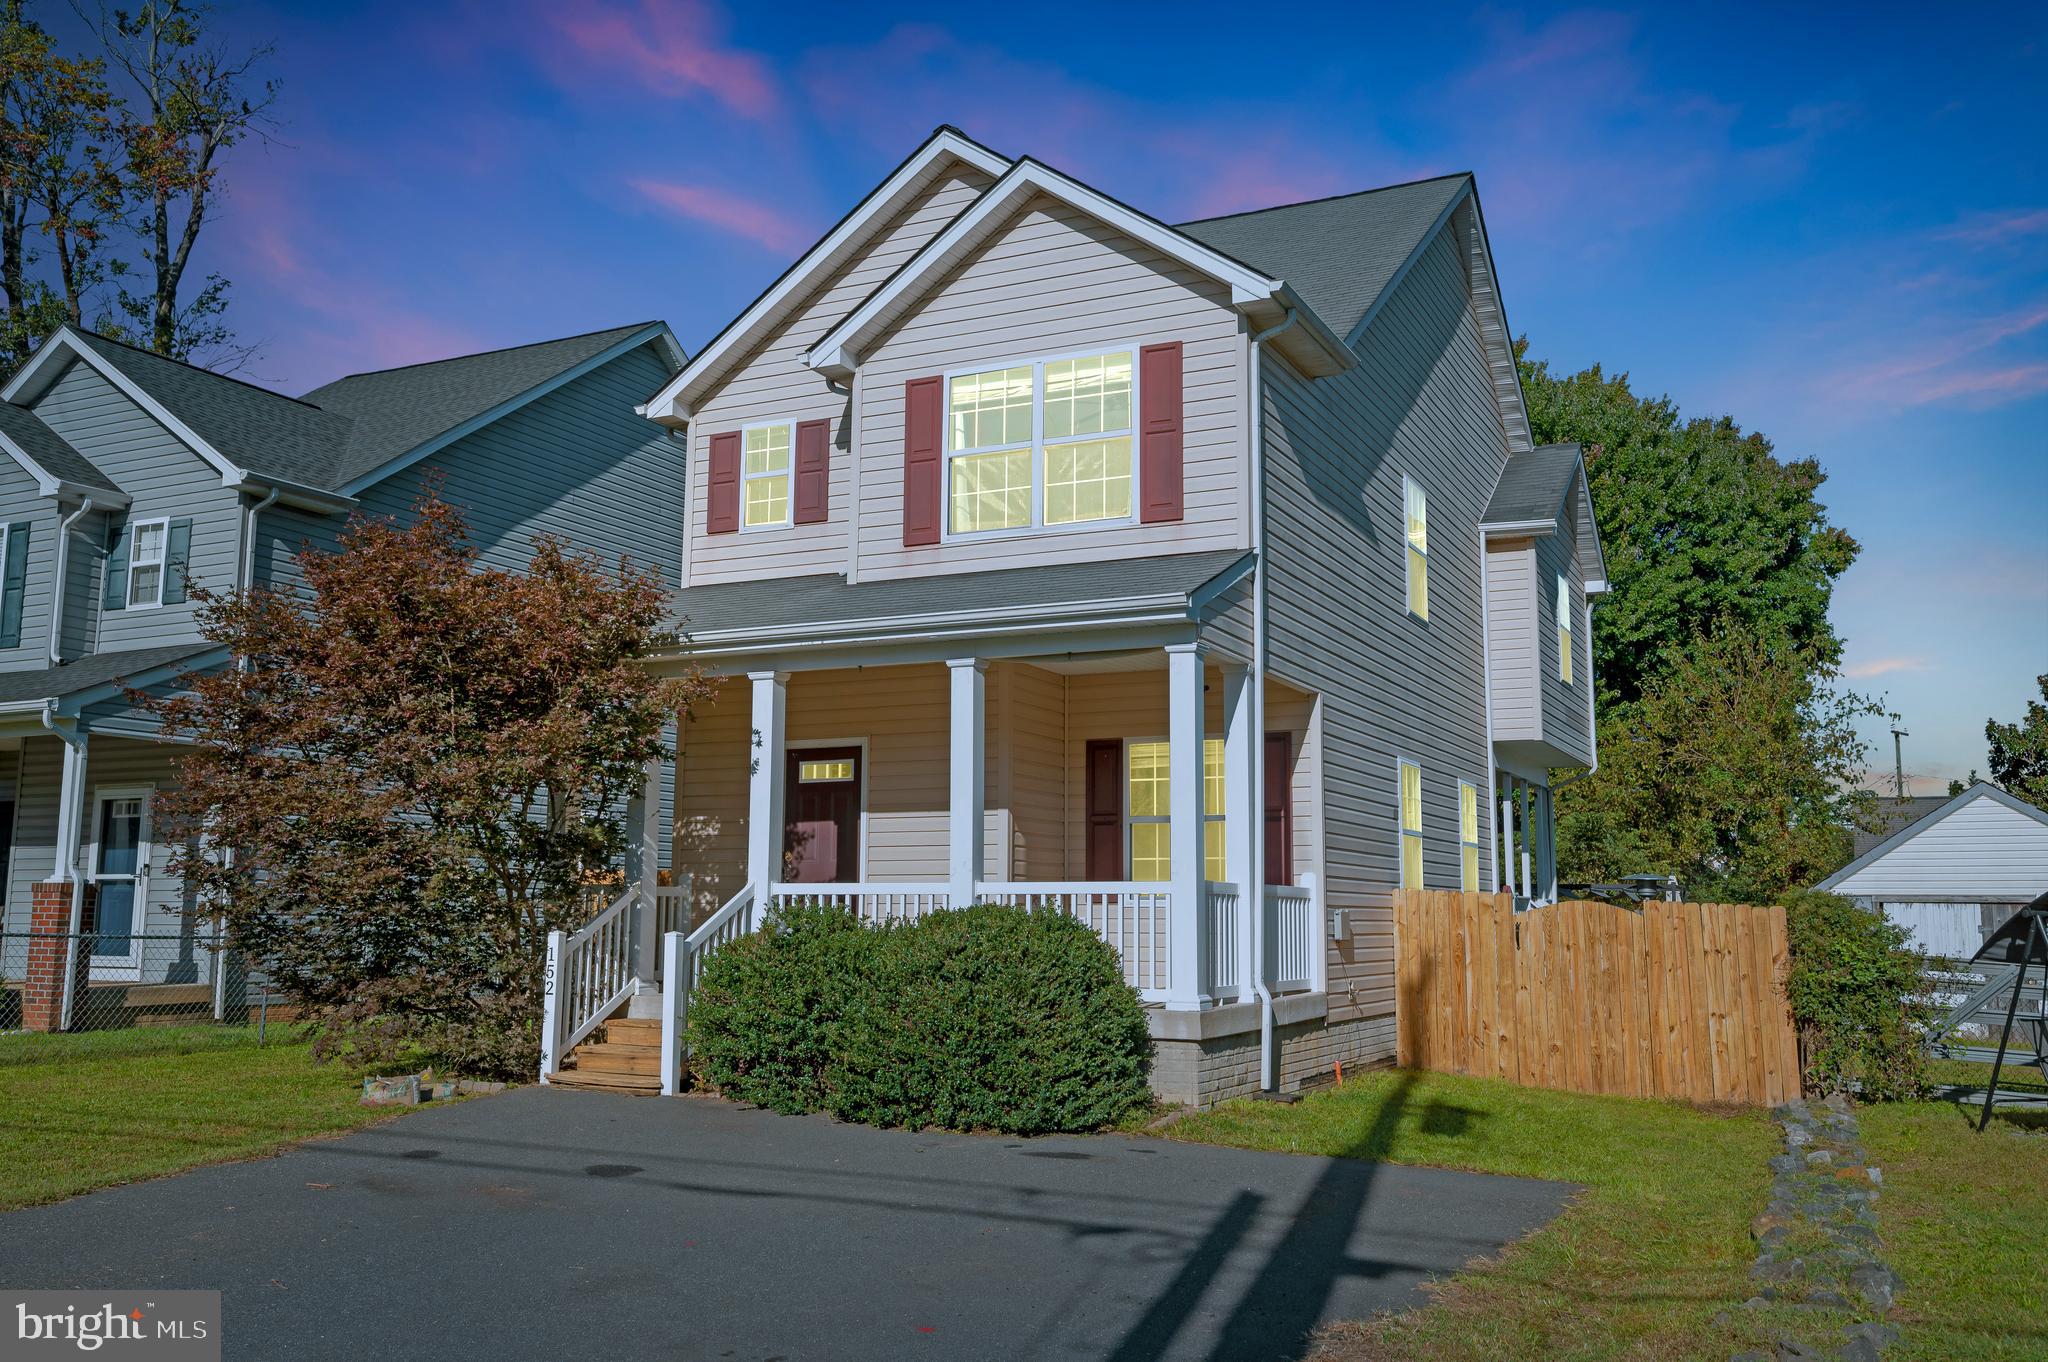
{"x":146,"y":549}
{"x":1411,"y":825}
{"x":1564,"y":629}
{"x":1468,"y":836}
{"x":1415,"y":514}
{"x":1046,"y":443}
{"x":764,"y":478}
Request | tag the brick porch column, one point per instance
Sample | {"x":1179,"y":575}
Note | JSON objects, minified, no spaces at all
{"x":42,"y":984}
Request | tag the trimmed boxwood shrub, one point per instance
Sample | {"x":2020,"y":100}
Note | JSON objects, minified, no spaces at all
{"x":986,"y":1018}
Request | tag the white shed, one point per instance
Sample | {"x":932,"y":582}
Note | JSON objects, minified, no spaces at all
{"x":1953,"y":874}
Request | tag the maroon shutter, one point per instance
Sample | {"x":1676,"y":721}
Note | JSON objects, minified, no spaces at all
{"x":924,"y":414}
{"x":722,"y":500}
{"x":1159,"y":432}
{"x":1105,"y":798}
{"x":813,"y":472}
{"x":1279,"y":812}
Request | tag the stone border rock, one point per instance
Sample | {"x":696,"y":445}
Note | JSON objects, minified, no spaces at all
{"x":1817,"y":1238}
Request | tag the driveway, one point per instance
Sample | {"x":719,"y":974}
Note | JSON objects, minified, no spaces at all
{"x":551,"y":1225}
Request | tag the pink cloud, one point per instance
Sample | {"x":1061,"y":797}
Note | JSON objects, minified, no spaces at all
{"x":1961,"y":361}
{"x":758,"y":222}
{"x":671,"y":48}
{"x":1884,"y":666}
{"x":1999,"y":228}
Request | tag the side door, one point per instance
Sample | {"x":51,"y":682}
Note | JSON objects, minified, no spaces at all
{"x":118,"y":870}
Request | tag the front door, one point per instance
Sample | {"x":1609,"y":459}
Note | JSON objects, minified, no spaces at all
{"x":120,"y":877}
{"x":821,"y":824}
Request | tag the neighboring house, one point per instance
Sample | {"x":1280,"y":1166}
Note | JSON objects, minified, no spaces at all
{"x":1054,"y":555}
{"x":1952,"y":874}
{"x":129,"y":476}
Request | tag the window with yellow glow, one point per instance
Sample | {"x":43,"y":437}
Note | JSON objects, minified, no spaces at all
{"x":1468,"y":837}
{"x":1148,"y":805}
{"x":1564,"y":630}
{"x":1411,"y":825}
{"x":1046,"y":443}
{"x":1415,"y":514}
{"x":765,"y":477}
{"x":824,"y":770}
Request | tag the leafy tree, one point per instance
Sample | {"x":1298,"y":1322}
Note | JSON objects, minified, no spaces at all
{"x":1703,"y":527}
{"x":1735,"y":770}
{"x":193,"y":101}
{"x":418,"y":768}
{"x":2019,"y":751}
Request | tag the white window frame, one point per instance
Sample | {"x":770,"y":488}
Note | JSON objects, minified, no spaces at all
{"x":1402,"y":832}
{"x":1131,"y":820}
{"x":1565,"y":633}
{"x":789,"y":502}
{"x":1470,"y":844}
{"x":1411,"y":484}
{"x":161,"y":563}
{"x":3,"y":563}
{"x":947,"y":454}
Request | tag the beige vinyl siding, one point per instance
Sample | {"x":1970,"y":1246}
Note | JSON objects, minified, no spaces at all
{"x":772,"y":384}
{"x":1036,"y":710}
{"x":1512,"y":644}
{"x":1983,"y":850}
{"x":1564,"y":706}
{"x":1053,"y":281}
{"x":164,"y":478}
{"x":1422,"y":403}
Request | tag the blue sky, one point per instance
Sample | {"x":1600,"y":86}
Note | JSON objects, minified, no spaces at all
{"x":1829,"y":224}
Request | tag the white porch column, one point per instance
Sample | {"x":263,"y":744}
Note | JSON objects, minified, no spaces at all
{"x":70,"y":809}
{"x":1243,"y":819}
{"x":764,"y":788}
{"x":967,"y":677}
{"x":1528,"y":829}
{"x":643,"y":869}
{"x":1504,"y":846}
{"x":1187,"y":943}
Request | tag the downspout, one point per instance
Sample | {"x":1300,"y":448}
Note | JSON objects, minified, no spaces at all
{"x":57,"y":602}
{"x":1255,"y":892}
{"x":1486,"y":677}
{"x":247,"y":577}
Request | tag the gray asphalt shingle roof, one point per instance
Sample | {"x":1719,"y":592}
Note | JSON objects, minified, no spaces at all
{"x":1532,"y":485}
{"x":51,"y":451}
{"x":827,"y":599}
{"x":395,"y":410}
{"x":50,"y":683}
{"x":1339,"y":254}
{"x":253,"y":428}
{"x":1896,"y":815}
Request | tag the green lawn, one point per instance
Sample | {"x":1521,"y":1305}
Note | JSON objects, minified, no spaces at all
{"x":1652,"y":1260}
{"x":100,"y":1108}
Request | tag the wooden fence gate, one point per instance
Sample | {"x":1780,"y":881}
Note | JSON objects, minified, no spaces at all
{"x":1672,"y":1000}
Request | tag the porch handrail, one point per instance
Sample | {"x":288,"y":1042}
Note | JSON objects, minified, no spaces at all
{"x":1222,"y":905}
{"x":682,"y":959}
{"x":903,"y":901}
{"x":1134,"y":917}
{"x":589,"y":973}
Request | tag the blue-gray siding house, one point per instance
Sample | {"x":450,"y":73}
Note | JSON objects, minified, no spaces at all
{"x":129,"y":476}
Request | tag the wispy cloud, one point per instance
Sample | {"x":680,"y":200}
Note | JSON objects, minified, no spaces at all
{"x":675,"y":49}
{"x":1946,"y":359}
{"x":1997,"y":229}
{"x":1884,"y":666}
{"x":751,"y":219}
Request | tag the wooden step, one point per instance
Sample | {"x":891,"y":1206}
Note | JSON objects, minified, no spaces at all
{"x":633,"y":1031}
{"x":643,"y":1084}
{"x":617,"y":1059}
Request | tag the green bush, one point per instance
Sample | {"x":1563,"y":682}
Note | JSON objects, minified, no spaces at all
{"x":765,"y":1015}
{"x":1859,"y":999}
{"x":989,"y":1018}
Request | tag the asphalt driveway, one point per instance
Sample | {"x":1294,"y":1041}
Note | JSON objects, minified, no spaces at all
{"x":552,"y":1225}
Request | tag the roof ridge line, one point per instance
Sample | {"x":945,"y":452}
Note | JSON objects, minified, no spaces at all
{"x":198,"y":369}
{"x":480,"y":354}
{"x":1328,"y":198}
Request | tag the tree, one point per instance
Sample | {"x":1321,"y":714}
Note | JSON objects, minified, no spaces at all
{"x":194,"y":102}
{"x":58,"y":181}
{"x":419,"y":768}
{"x":2019,"y":751}
{"x":1735,"y":770}
{"x":1703,"y":527}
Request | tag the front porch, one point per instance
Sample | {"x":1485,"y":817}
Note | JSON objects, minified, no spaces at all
{"x":1139,"y":790}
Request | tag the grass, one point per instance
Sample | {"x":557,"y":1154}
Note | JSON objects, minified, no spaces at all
{"x":1652,"y":1259}
{"x":95,"y":1109}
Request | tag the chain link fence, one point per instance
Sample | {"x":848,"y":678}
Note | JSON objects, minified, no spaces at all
{"x":87,"y":981}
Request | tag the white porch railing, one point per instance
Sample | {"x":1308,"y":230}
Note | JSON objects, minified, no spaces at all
{"x":1133,"y":918}
{"x":871,"y":903}
{"x":589,"y":973}
{"x":682,"y":959}
{"x":1220,"y":908}
{"x":672,"y":908}
{"x":1297,"y":940}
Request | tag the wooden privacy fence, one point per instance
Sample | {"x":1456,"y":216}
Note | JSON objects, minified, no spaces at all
{"x":1672,"y":1000}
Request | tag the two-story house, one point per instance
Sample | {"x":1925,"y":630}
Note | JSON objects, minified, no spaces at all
{"x":1199,"y":581}
{"x":129,"y":476}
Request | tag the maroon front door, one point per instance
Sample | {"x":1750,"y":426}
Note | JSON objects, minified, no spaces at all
{"x":821,"y":816}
